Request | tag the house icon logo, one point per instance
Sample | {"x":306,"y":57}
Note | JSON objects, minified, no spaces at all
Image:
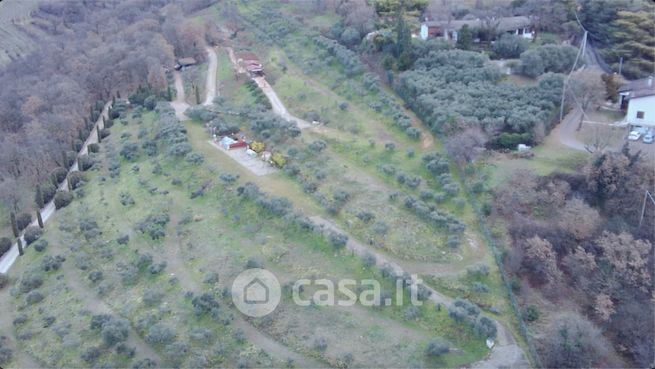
{"x":256,"y":292}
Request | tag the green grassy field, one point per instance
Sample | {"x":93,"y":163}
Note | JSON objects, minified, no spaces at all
{"x":215,"y":233}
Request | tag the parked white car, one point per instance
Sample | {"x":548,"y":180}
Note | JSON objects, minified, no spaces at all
{"x":634,"y":136}
{"x":649,"y":137}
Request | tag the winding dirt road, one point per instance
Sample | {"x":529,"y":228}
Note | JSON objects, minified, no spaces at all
{"x":505,"y":354}
{"x":212,"y":68}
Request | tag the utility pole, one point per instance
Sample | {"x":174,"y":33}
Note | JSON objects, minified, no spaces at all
{"x":620,"y":65}
{"x":583,"y":46}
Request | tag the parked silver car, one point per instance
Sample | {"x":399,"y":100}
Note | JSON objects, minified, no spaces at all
{"x":648,"y":137}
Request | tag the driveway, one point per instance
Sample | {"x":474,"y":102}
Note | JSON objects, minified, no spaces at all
{"x":564,"y":133}
{"x":179,"y":104}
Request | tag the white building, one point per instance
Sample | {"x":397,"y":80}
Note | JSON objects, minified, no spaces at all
{"x":519,"y":25}
{"x":639,"y":97}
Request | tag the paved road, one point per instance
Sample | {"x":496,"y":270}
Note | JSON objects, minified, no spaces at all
{"x":564,"y":133}
{"x":48,"y":210}
{"x":505,"y":354}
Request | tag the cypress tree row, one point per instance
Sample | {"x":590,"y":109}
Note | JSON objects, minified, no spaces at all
{"x":197,"y":95}
{"x":14,"y":227}
{"x":20,"y":246}
{"x":169,"y":93}
{"x":39,"y":219}
{"x":39,"y":197}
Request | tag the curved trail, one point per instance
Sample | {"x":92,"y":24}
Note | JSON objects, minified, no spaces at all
{"x":506,"y":353}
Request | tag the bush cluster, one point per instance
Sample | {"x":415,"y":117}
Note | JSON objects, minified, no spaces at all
{"x":154,"y":225}
{"x":464,"y":311}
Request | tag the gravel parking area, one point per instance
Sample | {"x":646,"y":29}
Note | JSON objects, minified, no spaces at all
{"x":255,"y":165}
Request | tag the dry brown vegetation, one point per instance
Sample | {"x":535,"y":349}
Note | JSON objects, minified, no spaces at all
{"x":576,"y":238}
{"x":95,"y":50}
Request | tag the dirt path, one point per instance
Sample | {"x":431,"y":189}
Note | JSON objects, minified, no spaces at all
{"x":179,"y":104}
{"x":278,"y":106}
{"x":8,"y":259}
{"x":233,"y":59}
{"x":212,"y":69}
{"x":506,"y":352}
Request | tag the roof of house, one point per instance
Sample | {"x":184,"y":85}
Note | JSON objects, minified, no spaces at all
{"x":186,"y":61}
{"x":504,"y":23}
{"x":639,"y":87}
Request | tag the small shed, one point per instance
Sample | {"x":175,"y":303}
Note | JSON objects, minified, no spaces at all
{"x":229,"y":143}
{"x":250,"y":62}
{"x":185,"y":63}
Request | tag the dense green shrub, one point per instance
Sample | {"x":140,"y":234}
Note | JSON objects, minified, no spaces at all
{"x":49,"y":262}
{"x":76,"y":179}
{"x":369,"y":260}
{"x":337,"y":240}
{"x":205,"y":304}
{"x":548,"y":58}
{"x":194,"y":158}
{"x":85,"y":162}
{"x":34,"y":297}
{"x":63,"y":199}
{"x":48,"y":191}
{"x":93,"y":148}
{"x":154,"y":225}
{"x":32,"y":233}
{"x":160,"y":334}
{"x":30,"y":281}
{"x":130,"y":151}
{"x":510,"y":46}
{"x":5,"y":245}
{"x":123,"y":239}
{"x":23,"y":220}
{"x":91,"y":355}
{"x":437,"y":347}
{"x":531,"y":313}
{"x":58,"y":175}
